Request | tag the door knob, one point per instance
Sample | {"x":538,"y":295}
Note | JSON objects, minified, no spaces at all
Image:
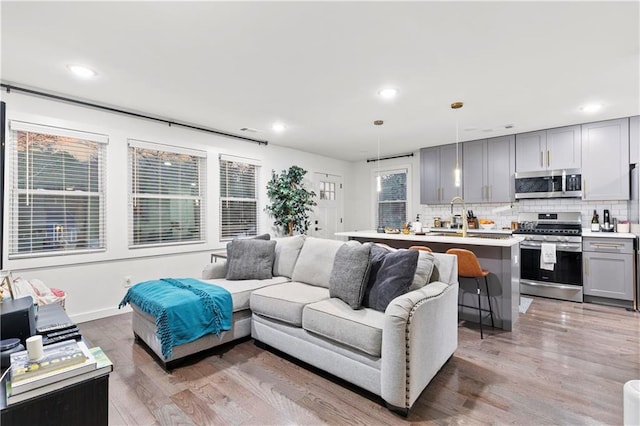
{"x":318,"y":229}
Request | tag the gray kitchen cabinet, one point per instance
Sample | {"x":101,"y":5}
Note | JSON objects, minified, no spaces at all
{"x":488,"y":170}
{"x":634,"y":139}
{"x":608,"y":268}
{"x":437,"y":164}
{"x":605,"y":160}
{"x":552,"y":149}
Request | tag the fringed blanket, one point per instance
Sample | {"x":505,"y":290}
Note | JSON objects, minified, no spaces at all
{"x":185,"y":309}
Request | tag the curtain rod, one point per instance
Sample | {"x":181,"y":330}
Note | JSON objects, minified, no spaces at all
{"x":370,"y":160}
{"x":11,"y":87}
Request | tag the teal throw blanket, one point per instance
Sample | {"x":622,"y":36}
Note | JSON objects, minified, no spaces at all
{"x":185,"y":309}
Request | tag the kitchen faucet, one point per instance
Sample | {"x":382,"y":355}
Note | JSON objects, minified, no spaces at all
{"x":464,"y":214}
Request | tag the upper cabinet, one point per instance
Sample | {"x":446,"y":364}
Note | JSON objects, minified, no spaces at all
{"x":634,"y":139}
{"x":437,"y":164}
{"x":488,"y":169}
{"x":605,"y":160}
{"x":551,"y":149}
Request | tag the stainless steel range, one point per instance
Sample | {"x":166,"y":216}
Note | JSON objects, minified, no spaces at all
{"x":551,"y":255}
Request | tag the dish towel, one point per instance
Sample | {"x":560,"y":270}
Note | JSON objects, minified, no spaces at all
{"x":547,"y":256}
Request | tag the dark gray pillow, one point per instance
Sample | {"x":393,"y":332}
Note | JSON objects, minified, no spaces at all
{"x":393,"y":278}
{"x":350,"y":274}
{"x":266,"y":237}
{"x":251,"y":259}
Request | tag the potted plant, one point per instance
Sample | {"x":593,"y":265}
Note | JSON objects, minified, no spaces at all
{"x":291,"y":202}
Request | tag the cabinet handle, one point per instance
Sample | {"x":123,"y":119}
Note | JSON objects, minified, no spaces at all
{"x":541,"y":159}
{"x":548,"y":158}
{"x":490,"y":190}
{"x":607,"y":246}
{"x":586,"y":267}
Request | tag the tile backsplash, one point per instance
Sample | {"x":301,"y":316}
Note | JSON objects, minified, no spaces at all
{"x":504,"y":213}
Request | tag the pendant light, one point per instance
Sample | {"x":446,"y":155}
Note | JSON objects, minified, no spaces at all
{"x":457,"y":174}
{"x":378,"y":178}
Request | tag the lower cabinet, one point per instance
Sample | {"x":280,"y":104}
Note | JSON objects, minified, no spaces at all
{"x":608,"y":268}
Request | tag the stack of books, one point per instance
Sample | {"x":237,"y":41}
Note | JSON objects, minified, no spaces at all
{"x":63,"y":364}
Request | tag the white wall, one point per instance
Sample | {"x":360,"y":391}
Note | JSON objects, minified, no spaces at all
{"x":95,"y":282}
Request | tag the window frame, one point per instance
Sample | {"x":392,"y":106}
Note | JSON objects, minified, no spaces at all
{"x":406,"y":169}
{"x":16,"y":192}
{"x":224,"y":231}
{"x":133,"y":197}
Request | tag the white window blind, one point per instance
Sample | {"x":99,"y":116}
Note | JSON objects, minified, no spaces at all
{"x":57,"y":201}
{"x":166,"y":194}
{"x":238,"y":197}
{"x":392,"y":198}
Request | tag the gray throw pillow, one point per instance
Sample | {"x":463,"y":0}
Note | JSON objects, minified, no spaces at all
{"x":395,"y":271}
{"x":251,"y":259}
{"x":265,"y":237}
{"x":424,"y":270}
{"x":350,"y":274}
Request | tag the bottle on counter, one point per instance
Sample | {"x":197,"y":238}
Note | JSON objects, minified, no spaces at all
{"x":595,"y":222}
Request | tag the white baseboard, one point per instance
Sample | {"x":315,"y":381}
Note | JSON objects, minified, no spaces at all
{"x":102,"y":313}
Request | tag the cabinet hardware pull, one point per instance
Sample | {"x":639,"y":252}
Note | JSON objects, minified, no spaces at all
{"x":490,"y":187}
{"x":548,"y":158}
{"x":608,"y":246}
{"x":541,"y":159}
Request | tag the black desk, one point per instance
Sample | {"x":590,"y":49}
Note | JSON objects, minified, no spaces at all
{"x":85,"y":402}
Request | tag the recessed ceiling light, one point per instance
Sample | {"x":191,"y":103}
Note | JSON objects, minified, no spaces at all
{"x":388,"y":93}
{"x":591,"y":108}
{"x":278,"y":127}
{"x":82,"y":71}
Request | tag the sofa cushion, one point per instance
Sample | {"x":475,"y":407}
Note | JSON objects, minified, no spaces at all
{"x":251,"y":259}
{"x":350,"y":274}
{"x":359,"y":329}
{"x":393,"y":277}
{"x":287,"y":252}
{"x":315,"y":262}
{"x":285,"y":302}
{"x":424,"y":269}
{"x":241,"y":290}
{"x":265,"y":237}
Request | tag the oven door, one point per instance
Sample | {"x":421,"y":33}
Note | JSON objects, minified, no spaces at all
{"x":564,"y":282}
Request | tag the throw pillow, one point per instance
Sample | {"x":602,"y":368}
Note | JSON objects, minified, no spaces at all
{"x":350,"y":274}
{"x":251,"y":259}
{"x":424,"y":269}
{"x":266,"y":237}
{"x":287,"y":252}
{"x":393,"y":278}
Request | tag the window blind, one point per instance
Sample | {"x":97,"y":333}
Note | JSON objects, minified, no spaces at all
{"x":238,"y":197}
{"x":166,"y":194}
{"x":57,"y":201}
{"x":392,"y":199}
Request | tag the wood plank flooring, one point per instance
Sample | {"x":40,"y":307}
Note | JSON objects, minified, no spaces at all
{"x":564,"y":363}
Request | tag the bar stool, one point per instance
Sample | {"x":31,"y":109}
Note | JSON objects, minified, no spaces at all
{"x":469,"y":267}
{"x":423,"y":248}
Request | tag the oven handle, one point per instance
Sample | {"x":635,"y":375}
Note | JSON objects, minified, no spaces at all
{"x":564,"y":287}
{"x":565,"y":246}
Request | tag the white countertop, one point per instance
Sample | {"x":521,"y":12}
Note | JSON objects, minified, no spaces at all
{"x":586,"y":232}
{"x":505,"y":240}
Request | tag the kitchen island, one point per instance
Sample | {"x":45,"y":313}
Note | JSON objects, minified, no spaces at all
{"x":498,"y":252}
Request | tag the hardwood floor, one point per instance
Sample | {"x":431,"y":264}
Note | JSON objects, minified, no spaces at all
{"x":564,"y":363}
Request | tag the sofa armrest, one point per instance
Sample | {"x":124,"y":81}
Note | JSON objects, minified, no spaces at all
{"x":420,"y":334}
{"x":214,"y":270}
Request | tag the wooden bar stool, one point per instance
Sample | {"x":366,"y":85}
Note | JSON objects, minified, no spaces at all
{"x":423,"y":248}
{"x":469,"y":267}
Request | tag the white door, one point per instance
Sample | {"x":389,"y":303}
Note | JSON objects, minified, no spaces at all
{"x":327,"y":218}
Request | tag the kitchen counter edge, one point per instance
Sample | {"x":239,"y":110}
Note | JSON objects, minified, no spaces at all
{"x":477,"y":241}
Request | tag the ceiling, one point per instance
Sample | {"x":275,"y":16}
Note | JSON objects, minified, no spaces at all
{"x":317,"y":66}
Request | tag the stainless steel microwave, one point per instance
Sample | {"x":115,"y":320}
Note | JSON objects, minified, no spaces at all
{"x":549,"y":184}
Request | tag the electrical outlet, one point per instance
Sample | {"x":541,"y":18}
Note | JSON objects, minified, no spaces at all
{"x":127,"y":281}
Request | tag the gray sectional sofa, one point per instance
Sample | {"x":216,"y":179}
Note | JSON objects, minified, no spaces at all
{"x":392,"y":352}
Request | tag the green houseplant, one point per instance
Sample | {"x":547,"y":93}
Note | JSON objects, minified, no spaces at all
{"x":291,"y":202}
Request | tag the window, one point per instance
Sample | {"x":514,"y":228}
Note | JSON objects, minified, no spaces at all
{"x":238,"y":197}
{"x":392,"y":198}
{"x":57,"y":200}
{"x":327,"y":191}
{"x":166,"y":198}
